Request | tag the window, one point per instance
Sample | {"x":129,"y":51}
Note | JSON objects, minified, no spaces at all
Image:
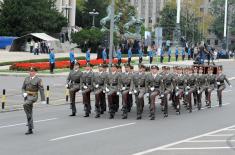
{"x":216,"y":42}
{"x":208,"y":42}
{"x":150,"y":20}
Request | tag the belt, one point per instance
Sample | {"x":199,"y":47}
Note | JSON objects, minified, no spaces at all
{"x":127,"y":85}
{"x":156,"y":86}
{"x":113,"y":84}
{"x":31,"y":93}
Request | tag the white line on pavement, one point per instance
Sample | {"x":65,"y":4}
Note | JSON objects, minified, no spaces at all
{"x":93,"y":131}
{"x":211,"y":107}
{"x":198,"y":148}
{"x":209,"y":141}
{"x":181,"y":141}
{"x":12,"y":125}
{"x":220,"y":135}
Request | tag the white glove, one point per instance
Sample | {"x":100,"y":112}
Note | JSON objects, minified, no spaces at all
{"x":162,"y":95}
{"x":97,"y":86}
{"x":25,"y":94}
{"x":186,"y":93}
{"x":198,"y":91}
{"x":135,"y":91}
{"x":118,"y":93}
{"x":43,"y":102}
{"x":106,"y":89}
{"x":188,"y":87}
{"x":218,"y":83}
{"x":85,"y":87}
{"x":230,"y":86}
{"x":80,"y":91}
{"x":123,"y":88}
{"x":176,"y":94}
{"x":147,"y":94}
{"x":177,"y":88}
{"x":152,"y":88}
{"x":66,"y":86}
{"x":130,"y":92}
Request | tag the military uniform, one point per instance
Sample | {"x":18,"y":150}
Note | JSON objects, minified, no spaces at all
{"x":220,"y":82}
{"x":87,"y":86}
{"x":99,"y":88}
{"x":139,"y":88}
{"x":30,"y":89}
{"x":74,"y":85}
{"x":113,"y":86}
{"x":126,"y":81}
{"x":201,"y":81}
{"x":156,"y":87}
{"x":210,"y":86}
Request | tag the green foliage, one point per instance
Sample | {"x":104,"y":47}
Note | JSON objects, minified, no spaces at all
{"x":19,"y":17}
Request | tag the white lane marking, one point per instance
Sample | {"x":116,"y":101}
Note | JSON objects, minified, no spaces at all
{"x":230,"y":129}
{"x":225,"y":91}
{"x":211,"y":107}
{"x":231,"y":78}
{"x":93,"y":131}
{"x":220,"y":135}
{"x":181,"y":141}
{"x":209,"y":141}
{"x":18,"y":124}
{"x":198,"y":148}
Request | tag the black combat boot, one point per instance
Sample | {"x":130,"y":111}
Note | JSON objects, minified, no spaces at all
{"x":29,"y":132}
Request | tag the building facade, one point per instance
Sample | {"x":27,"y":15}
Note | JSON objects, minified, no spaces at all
{"x":149,"y":11}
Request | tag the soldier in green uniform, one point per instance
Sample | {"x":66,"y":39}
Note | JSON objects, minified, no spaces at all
{"x":180,"y":85}
{"x":99,"y":88}
{"x":168,"y":85}
{"x":200,"y":86}
{"x":220,"y":82}
{"x":87,"y":86}
{"x":74,"y":85}
{"x":139,"y":89}
{"x":126,"y":80}
{"x":210,"y":86}
{"x":30,"y":88}
{"x":156,"y":87}
{"x":112,"y":89}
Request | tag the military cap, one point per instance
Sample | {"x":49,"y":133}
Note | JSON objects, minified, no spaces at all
{"x":127,"y":65}
{"x":119,"y":66}
{"x":33,"y":69}
{"x":132,"y":67}
{"x":220,"y":67}
{"x":141,"y":66}
{"x":114,"y":65}
{"x":154,"y":67}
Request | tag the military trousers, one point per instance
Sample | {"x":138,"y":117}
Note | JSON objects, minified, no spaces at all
{"x":98,"y":100}
{"x":219,"y":93}
{"x":72,"y":92}
{"x":112,"y":101}
{"x":28,"y":108}
{"x":153,"y":96}
{"x":139,"y":99}
{"x":86,"y":96}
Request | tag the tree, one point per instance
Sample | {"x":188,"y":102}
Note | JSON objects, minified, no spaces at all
{"x":83,"y":19}
{"x":19,"y":17}
{"x":217,"y":11}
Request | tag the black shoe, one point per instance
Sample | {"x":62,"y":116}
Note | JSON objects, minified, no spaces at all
{"x":124,"y":116}
{"x":97,"y":116}
{"x":73,"y":114}
{"x":165,"y":115}
{"x":102,"y":112}
{"x":86,"y":115}
{"x":111,"y":116}
{"x":29,"y":132}
{"x":152,"y":118}
{"x":138,"y":117}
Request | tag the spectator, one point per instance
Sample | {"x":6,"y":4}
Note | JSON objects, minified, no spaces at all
{"x":189,"y":53}
{"x":104,"y":55}
{"x":72,"y":59}
{"x":150,"y":54}
{"x":129,"y":55}
{"x":176,"y":54}
{"x":31,"y":45}
{"x":52,"y":61}
{"x":169,"y":55}
{"x":36,"y":48}
{"x":140,"y":51}
{"x":183,"y":53}
{"x":162,"y":55}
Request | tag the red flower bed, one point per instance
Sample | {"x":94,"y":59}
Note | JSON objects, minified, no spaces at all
{"x":58,"y":64}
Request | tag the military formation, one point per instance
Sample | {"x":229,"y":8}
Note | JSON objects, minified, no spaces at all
{"x":183,"y":86}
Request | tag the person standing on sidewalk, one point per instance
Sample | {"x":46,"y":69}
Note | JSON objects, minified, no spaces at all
{"x":30,"y":88}
{"x":72,"y":59}
{"x":52,"y":60}
{"x":88,"y":56}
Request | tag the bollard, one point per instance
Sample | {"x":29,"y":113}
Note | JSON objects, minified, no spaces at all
{"x":67,"y":94}
{"x":3,"y":98}
{"x":47,"y":94}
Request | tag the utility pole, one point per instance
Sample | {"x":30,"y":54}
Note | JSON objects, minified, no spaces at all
{"x":111,"y":36}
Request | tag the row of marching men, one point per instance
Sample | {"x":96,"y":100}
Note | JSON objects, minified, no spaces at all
{"x":180,"y":84}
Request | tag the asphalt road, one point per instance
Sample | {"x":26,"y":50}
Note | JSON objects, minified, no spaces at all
{"x":209,"y":131}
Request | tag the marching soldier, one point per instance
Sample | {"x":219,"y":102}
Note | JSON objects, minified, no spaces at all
{"x":155,"y":84}
{"x":168,"y":85}
{"x":112,"y":88}
{"x":180,"y":85}
{"x":119,"y":55}
{"x":200,"y":86}
{"x":210,"y":86}
{"x":87,"y":86}
{"x":74,"y":85}
{"x":139,"y":89}
{"x":126,"y":80}
{"x":220,"y":82}
{"x":99,"y":88}
{"x":103,"y":97}
{"x":30,"y":88}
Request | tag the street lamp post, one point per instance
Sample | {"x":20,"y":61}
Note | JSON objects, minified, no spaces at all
{"x":177,"y":29}
{"x":67,"y":8}
{"x":93,"y":14}
{"x":111,"y":36}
